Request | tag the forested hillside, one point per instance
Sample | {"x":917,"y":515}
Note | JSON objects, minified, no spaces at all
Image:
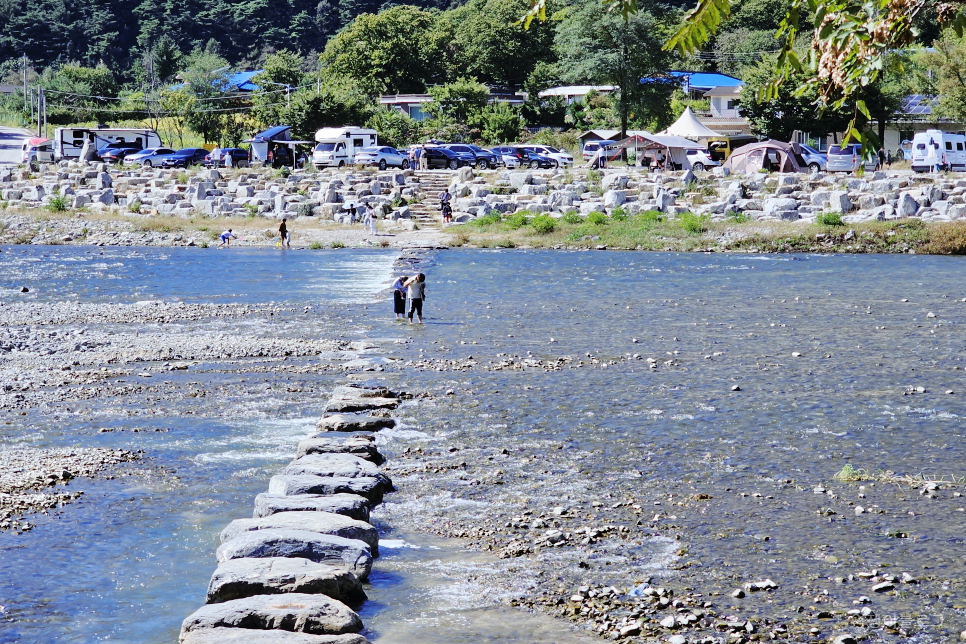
{"x":117,"y":32}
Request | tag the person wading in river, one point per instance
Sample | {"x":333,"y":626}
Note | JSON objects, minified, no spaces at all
{"x":416,"y":286}
{"x":399,"y":297}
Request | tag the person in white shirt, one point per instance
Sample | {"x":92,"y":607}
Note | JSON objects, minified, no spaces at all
{"x":416,"y":290}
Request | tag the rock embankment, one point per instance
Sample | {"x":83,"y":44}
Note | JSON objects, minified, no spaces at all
{"x":291,"y":571}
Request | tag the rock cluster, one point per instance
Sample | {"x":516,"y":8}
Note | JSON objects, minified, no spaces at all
{"x":309,"y":545}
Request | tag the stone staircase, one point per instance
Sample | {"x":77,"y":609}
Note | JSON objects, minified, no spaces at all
{"x":426,"y":214}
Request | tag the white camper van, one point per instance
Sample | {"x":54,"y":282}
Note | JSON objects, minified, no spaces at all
{"x":337,"y":146}
{"x":948,"y":151}
{"x":68,"y":141}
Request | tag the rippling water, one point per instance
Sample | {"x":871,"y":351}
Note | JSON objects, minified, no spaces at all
{"x":133,"y":557}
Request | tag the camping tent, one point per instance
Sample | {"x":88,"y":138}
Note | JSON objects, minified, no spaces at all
{"x":769,"y":155}
{"x":689,"y":127}
{"x":673,"y":149}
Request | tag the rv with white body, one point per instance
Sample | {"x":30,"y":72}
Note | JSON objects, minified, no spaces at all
{"x":68,"y":141}
{"x":949,"y":151}
{"x":337,"y":146}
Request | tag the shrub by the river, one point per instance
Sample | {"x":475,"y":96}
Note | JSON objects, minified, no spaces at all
{"x":738,"y":217}
{"x":490,"y":218}
{"x":829,"y":219}
{"x":851,"y":473}
{"x":543,"y":224}
{"x":948,"y":238}
{"x":57,"y":203}
{"x":315,"y":245}
{"x":692,"y":223}
{"x":572,"y":217}
{"x":597,"y":218}
{"x":517,"y":220}
{"x":619,"y":214}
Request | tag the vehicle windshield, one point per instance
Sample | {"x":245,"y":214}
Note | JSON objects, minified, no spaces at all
{"x":325,"y":147}
{"x":809,"y":149}
{"x":552,"y":150}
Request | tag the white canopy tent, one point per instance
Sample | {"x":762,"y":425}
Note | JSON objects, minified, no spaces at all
{"x":669,"y":149}
{"x":689,"y":127}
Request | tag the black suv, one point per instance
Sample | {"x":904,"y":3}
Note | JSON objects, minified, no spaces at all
{"x":483,"y":158}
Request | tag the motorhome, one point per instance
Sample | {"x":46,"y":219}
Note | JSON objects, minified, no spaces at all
{"x":68,"y":141}
{"x":36,"y":151}
{"x":948,"y":151}
{"x":337,"y":146}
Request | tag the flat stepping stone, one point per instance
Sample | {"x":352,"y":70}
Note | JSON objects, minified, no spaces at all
{"x":341,"y":465}
{"x":289,"y":485}
{"x":251,"y":636}
{"x":321,"y":522}
{"x":350,"y":554}
{"x":340,"y":405}
{"x":349,"y":392}
{"x":349,"y":505}
{"x":361,"y":445}
{"x":354,"y":423}
{"x":237,"y":578}
{"x":297,"y":612}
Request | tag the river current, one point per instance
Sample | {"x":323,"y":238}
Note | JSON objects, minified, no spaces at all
{"x":821,"y":349}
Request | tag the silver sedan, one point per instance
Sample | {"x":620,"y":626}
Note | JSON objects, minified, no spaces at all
{"x":382,"y":156}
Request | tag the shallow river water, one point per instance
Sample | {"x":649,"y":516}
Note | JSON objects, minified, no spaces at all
{"x":553,"y":404}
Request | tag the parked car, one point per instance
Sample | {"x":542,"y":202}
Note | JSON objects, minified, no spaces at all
{"x":115,"y":151}
{"x":699,"y":159}
{"x":519,"y":156}
{"x":551,"y":152}
{"x":440,"y":157}
{"x":483,"y":158}
{"x":847,"y":158}
{"x":36,"y":151}
{"x":239,"y":158}
{"x":814,"y":160}
{"x":185,"y":157}
{"x":147,"y":157}
{"x":382,"y":156}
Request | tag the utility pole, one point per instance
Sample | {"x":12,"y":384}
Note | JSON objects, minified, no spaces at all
{"x":25,"y":82}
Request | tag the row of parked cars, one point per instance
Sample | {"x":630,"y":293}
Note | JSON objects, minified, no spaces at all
{"x":458,"y":155}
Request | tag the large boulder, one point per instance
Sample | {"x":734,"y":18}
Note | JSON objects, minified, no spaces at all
{"x":354,"y":423}
{"x":907,"y":206}
{"x":361,"y":445}
{"x":348,"y":505}
{"x":368,"y":487}
{"x":252,"y":636}
{"x":237,"y":578}
{"x":350,"y":392}
{"x":614,"y":198}
{"x":297,"y":612}
{"x":351,"y":554}
{"x":321,"y":522}
{"x":775,"y":206}
{"x":340,"y":465}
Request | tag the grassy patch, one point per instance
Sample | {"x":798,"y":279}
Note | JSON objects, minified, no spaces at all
{"x":850,"y":473}
{"x":693,"y":224}
{"x":829,"y":219}
{"x":315,"y":245}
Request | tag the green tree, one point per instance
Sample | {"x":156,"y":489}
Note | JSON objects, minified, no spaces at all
{"x":946,"y":77}
{"x":281,"y":77}
{"x":401,"y":49}
{"x":779,"y":117}
{"x":337,"y":101}
{"x":461,"y":100}
{"x":395,"y":128}
{"x":599,"y":47}
{"x":492,"y":47}
{"x":500,"y":123}
{"x":205,"y":78}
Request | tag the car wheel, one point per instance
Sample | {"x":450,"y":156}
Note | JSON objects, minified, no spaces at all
{"x":146,"y":164}
{"x":481,"y":164}
{"x":698,"y":166}
{"x":405,"y":164}
{"x":814,"y":167}
{"x":534,"y":164}
{"x":341,"y":163}
{"x":382,"y":164}
{"x":453,"y":164}
{"x":556,"y":164}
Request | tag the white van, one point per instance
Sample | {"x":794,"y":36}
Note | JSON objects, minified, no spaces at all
{"x":337,"y":146}
{"x":68,"y":141}
{"x":36,"y":151}
{"x":950,"y":151}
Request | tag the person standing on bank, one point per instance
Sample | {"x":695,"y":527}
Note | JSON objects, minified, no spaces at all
{"x":369,"y":219}
{"x":399,"y":297}
{"x":284,"y":237}
{"x":444,"y":205}
{"x":416,"y":287}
